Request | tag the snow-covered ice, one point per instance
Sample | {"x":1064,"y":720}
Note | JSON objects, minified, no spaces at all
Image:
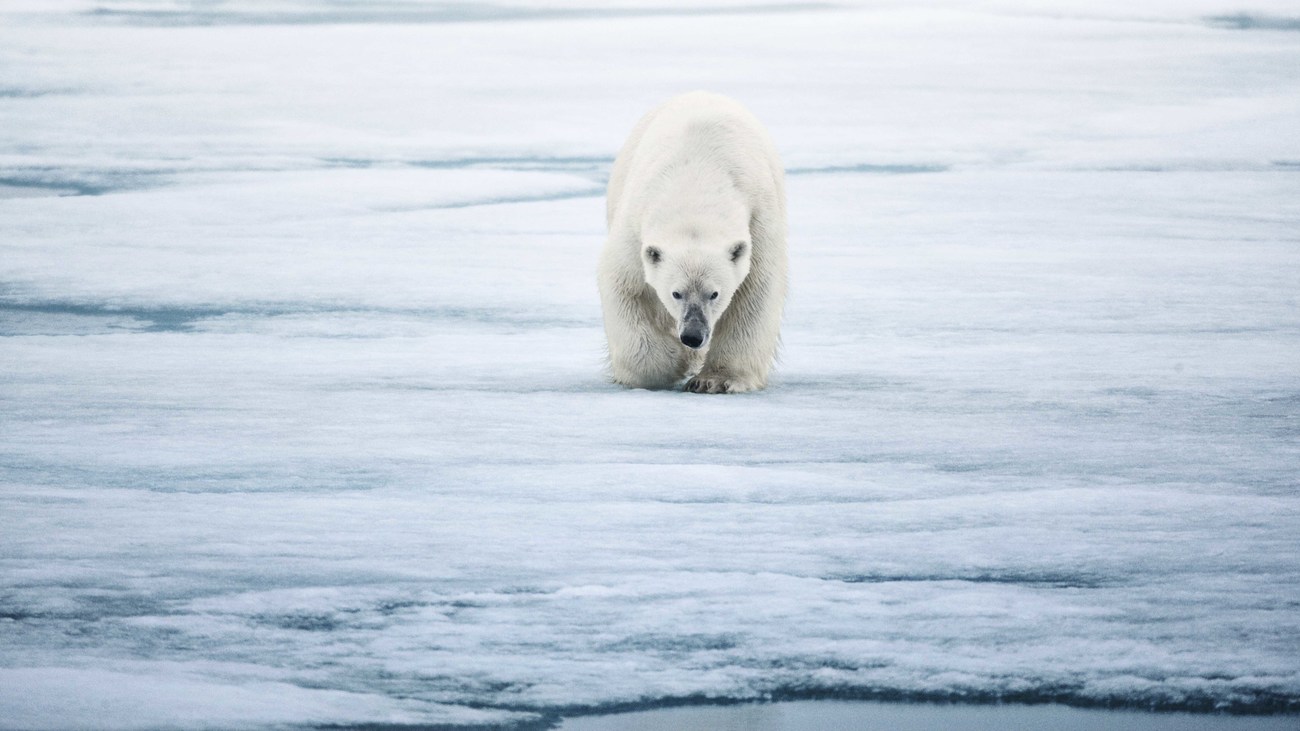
{"x":302,"y":418}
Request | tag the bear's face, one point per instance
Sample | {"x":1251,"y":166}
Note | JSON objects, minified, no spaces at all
{"x":695,"y":283}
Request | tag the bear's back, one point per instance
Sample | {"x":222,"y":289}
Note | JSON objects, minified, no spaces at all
{"x":698,"y":139}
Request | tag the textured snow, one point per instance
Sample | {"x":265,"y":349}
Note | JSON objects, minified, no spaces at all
{"x":302,"y":418}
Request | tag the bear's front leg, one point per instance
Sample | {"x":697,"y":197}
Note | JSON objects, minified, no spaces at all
{"x":744,"y":346}
{"x":642,"y":351}
{"x":647,"y":361}
{"x":719,"y":382}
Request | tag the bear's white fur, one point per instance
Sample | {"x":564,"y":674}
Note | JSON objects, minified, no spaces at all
{"x":693,"y":274}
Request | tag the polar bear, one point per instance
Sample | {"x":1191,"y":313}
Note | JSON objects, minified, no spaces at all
{"x":693,"y":273}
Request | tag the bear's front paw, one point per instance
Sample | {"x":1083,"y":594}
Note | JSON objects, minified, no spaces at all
{"x":718,"y":384}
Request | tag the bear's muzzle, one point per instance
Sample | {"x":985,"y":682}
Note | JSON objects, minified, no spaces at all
{"x":695,"y":328}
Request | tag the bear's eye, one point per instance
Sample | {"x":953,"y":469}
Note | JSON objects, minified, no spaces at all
{"x":737,"y":250}
{"x":677,"y":295}
{"x":652,"y":254}
{"x":713,"y":296}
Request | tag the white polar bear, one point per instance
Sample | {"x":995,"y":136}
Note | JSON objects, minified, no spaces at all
{"x":693,"y":274}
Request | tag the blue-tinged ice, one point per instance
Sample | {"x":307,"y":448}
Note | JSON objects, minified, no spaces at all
{"x":302,"y":415}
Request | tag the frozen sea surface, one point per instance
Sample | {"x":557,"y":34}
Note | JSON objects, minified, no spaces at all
{"x":302,"y":419}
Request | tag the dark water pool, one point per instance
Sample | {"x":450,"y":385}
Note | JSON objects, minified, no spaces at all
{"x":864,"y":716}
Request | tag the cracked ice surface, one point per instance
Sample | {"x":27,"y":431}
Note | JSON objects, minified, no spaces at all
{"x":301,"y":413}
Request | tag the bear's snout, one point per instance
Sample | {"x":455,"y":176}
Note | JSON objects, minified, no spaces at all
{"x":695,"y":327}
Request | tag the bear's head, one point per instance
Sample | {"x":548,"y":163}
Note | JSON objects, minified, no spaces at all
{"x":695,"y":275}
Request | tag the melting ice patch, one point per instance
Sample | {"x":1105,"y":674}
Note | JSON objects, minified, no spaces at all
{"x":300,"y":356}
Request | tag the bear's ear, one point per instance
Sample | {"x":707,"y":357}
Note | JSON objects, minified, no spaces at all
{"x":737,"y":250}
{"x":653,"y":254}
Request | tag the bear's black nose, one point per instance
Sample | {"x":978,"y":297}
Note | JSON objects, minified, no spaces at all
{"x":692,"y":339}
